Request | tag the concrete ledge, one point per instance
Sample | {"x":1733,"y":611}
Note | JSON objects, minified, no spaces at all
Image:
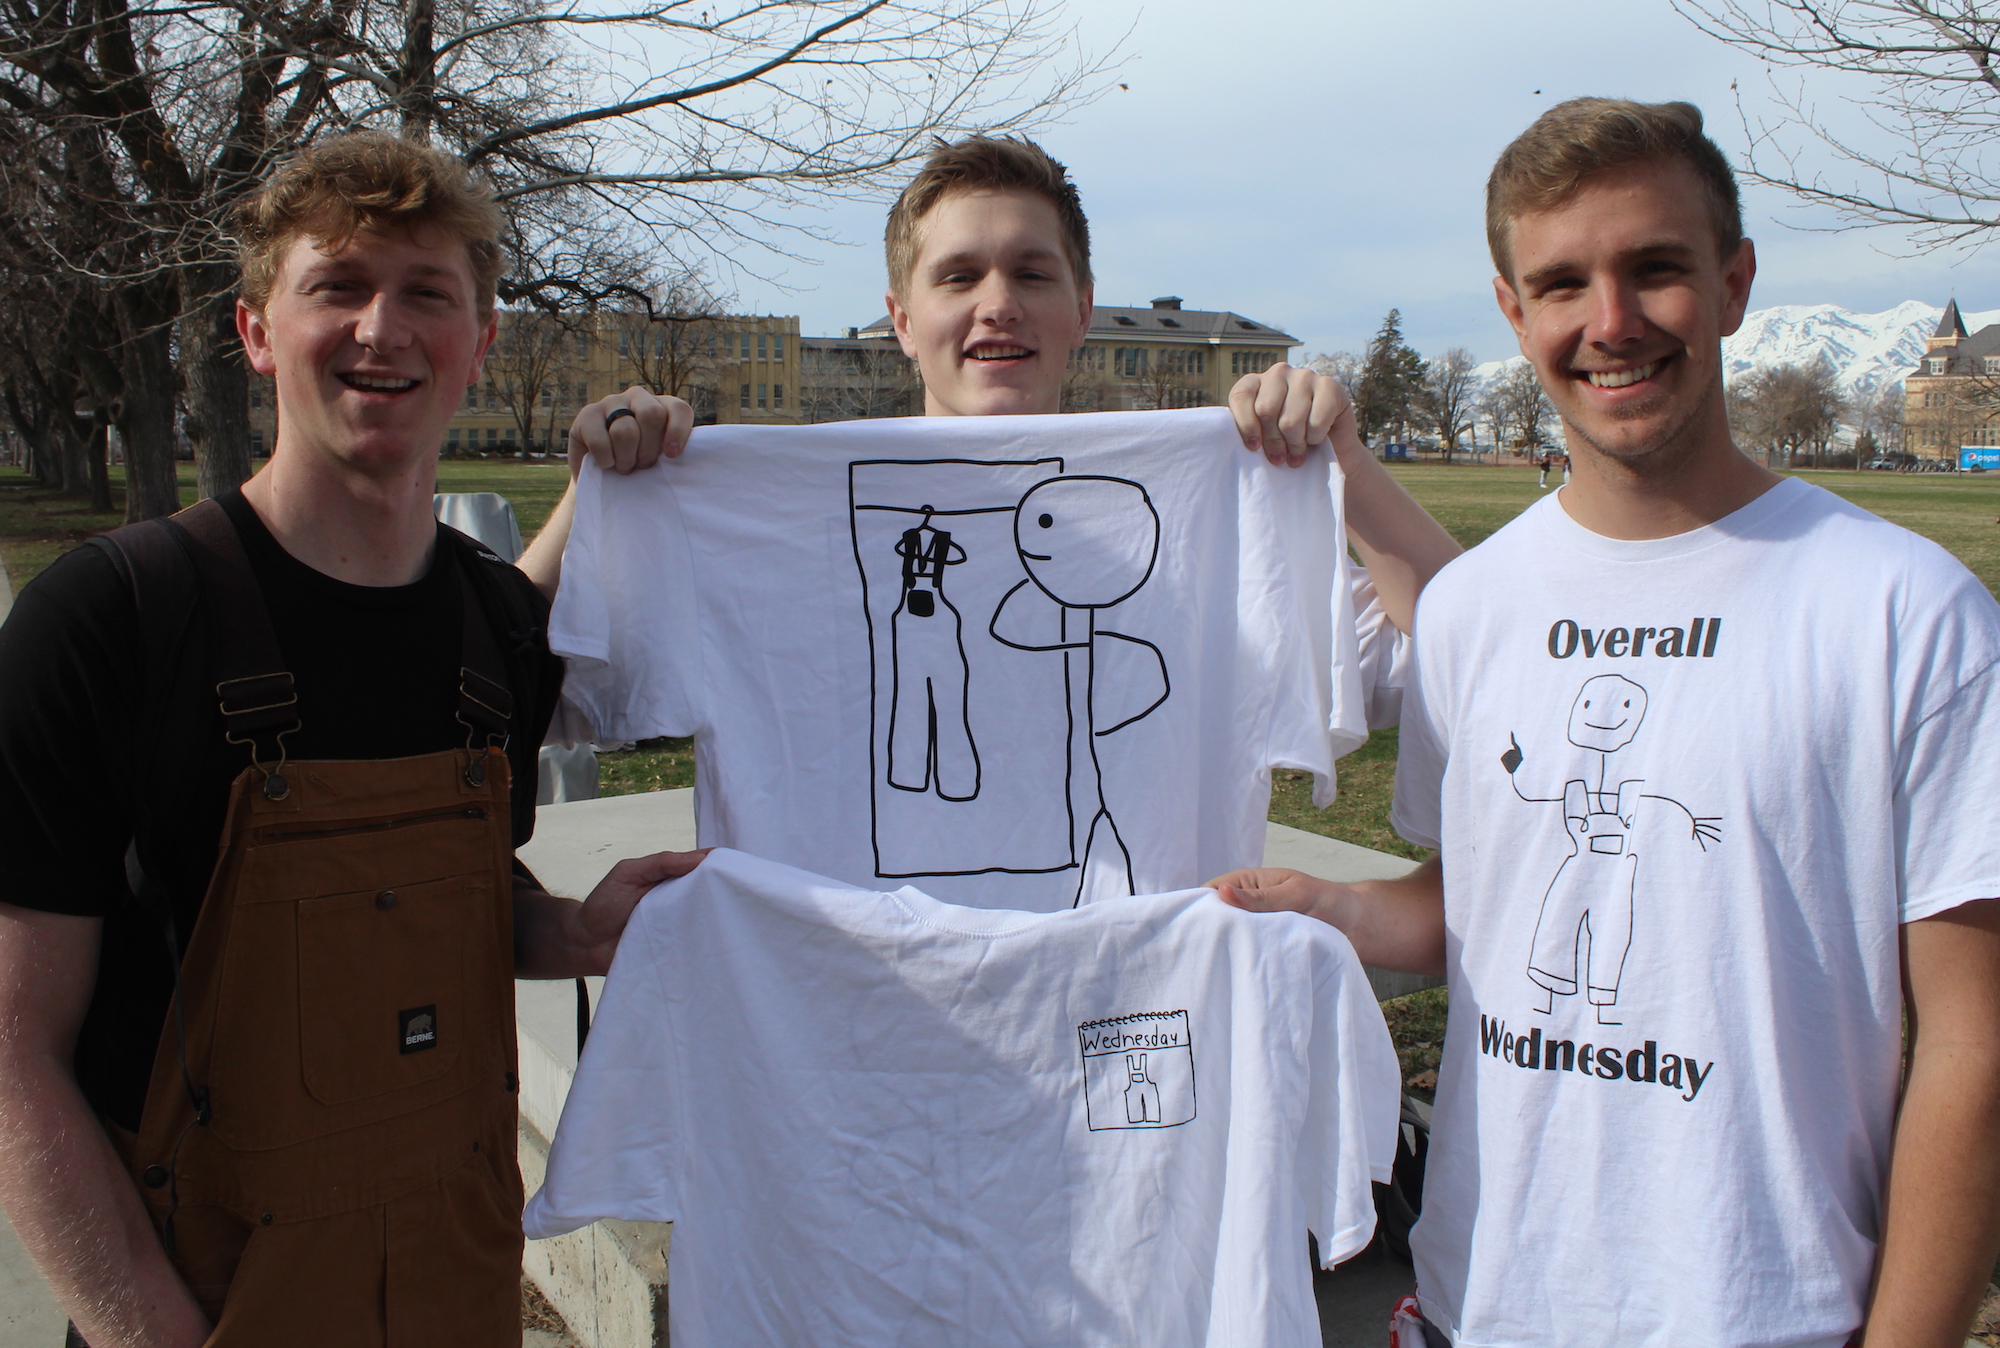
{"x":609,"y":1280}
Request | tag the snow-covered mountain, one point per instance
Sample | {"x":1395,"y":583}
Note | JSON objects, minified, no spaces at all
{"x":1866,"y":349}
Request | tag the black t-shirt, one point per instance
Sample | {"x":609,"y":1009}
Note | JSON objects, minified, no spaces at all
{"x":376,"y":672}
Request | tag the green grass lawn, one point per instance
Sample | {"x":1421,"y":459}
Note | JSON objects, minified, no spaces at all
{"x":37,"y":525}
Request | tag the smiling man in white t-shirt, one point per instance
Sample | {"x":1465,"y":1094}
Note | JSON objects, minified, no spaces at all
{"x":1709,"y":755}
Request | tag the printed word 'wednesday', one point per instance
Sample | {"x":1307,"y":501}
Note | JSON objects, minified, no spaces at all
{"x":1645,"y":1065}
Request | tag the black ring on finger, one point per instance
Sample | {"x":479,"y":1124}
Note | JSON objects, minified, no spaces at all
{"x":616,"y":413}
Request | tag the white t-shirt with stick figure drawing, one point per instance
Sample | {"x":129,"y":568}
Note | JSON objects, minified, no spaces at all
{"x":1686,"y":790}
{"x":876,"y":1119}
{"x":1022,"y":662}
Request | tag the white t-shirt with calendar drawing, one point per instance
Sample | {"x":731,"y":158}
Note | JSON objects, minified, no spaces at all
{"x":1018,"y":661}
{"x":1687,"y":790}
{"x":881,"y":1121}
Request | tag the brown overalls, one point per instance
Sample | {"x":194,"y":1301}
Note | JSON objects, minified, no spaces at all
{"x":328,"y":1139}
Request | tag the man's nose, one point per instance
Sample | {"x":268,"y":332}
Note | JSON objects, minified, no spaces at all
{"x":997,"y":301}
{"x":380,"y":325}
{"x":1616,"y":316}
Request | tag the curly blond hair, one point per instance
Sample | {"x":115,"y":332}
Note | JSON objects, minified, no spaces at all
{"x":369,"y":180}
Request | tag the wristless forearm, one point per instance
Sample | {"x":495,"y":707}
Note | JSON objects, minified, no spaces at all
{"x":1392,"y":924}
{"x":80,"y":1218}
{"x":1943,"y":1214}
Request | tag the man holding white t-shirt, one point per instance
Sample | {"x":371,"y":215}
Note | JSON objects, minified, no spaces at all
{"x":990,"y":291}
{"x":1710,"y":787}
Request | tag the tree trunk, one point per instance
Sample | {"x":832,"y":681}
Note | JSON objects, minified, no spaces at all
{"x":100,"y":462}
{"x":146,"y":412}
{"x":218,"y":382}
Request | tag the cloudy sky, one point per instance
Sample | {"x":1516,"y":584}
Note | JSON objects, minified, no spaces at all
{"x":1313,"y":163}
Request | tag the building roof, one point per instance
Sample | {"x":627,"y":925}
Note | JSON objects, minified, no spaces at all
{"x":1163,"y":321}
{"x":1951,"y":325}
{"x":1969,"y":356}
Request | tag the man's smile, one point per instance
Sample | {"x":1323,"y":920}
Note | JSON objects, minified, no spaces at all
{"x":1000,"y":353}
{"x":1622,"y":378}
{"x":377,"y":383}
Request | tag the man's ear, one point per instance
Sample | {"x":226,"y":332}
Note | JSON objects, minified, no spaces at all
{"x":486,"y":339}
{"x":256,"y":339}
{"x":1086,"y":304}
{"x":899,"y":318}
{"x":1510,"y":307}
{"x":1736,"y":279}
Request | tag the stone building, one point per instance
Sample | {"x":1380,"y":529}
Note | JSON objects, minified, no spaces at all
{"x":1951,"y":400}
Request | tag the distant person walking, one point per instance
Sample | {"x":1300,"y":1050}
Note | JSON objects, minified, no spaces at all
{"x":1565,"y":459}
{"x":1546,"y":461}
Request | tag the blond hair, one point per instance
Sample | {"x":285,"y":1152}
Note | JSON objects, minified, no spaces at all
{"x":994,"y":162}
{"x":1584,"y":137}
{"x":369,"y":180}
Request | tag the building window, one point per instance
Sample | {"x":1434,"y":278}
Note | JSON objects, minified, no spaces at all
{"x":256,"y":395}
{"x":1937,"y":366}
{"x":763,"y":346}
{"x":1993,"y":365}
{"x":777,"y":395}
{"x":624,"y":342}
{"x":452,"y":439}
{"x":582,"y":345}
{"x":762,"y":396}
{"x":492,"y":395}
{"x":777,"y":346}
{"x":744,"y":347}
{"x":1129,"y":361}
{"x":548,"y":395}
{"x":509,"y":437}
{"x":745,"y":401}
{"x":256,"y":444}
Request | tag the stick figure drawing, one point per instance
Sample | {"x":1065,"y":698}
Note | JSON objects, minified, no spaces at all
{"x":1585,"y":926}
{"x":1089,"y":543}
{"x":994,"y":677}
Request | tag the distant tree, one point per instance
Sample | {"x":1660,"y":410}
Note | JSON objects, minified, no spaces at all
{"x":1390,"y":381}
{"x":1342,"y":365}
{"x":1788,"y":412}
{"x":1172,"y":378}
{"x":848,"y":383}
{"x":1880,"y":417}
{"x":1086,"y":381}
{"x":1521,"y":412}
{"x":671,"y":342}
{"x":1935,"y":93}
{"x":1450,"y":397}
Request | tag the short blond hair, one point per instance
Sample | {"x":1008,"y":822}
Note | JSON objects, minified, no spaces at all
{"x":1584,"y":137}
{"x":1004,"y":163}
{"x":369,"y":180}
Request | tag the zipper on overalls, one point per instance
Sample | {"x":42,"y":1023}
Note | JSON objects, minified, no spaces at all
{"x":469,"y":812}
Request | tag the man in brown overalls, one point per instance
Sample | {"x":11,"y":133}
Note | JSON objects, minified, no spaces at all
{"x":260,"y":912}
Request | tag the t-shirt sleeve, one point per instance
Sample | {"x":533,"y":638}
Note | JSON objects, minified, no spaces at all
{"x":616,"y":1146}
{"x":1348,"y":1141}
{"x":624,"y":616}
{"x":1949,"y":778}
{"x":1417,"y":811}
{"x":1298,"y":619}
{"x":69,"y":666}
{"x":1384,"y":652}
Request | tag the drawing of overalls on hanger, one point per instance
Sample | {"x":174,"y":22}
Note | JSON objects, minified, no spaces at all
{"x":1088,"y":544}
{"x":1588,"y":906}
{"x":930,"y":729}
